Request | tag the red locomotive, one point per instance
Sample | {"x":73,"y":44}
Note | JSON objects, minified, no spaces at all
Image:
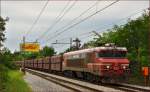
{"x":103,"y":64}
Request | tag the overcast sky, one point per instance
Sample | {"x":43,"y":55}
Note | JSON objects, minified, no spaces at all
{"x":22,"y":14}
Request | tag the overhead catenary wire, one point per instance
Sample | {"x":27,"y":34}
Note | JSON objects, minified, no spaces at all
{"x":83,"y":20}
{"x":86,"y":33}
{"x":76,"y":17}
{"x":56,"y":20}
{"x":59,"y":19}
{"x":38,"y":17}
{"x":85,"y":37}
{"x":119,"y":20}
{"x":129,"y":16}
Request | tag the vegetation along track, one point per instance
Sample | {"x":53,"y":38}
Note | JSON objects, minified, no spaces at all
{"x":78,"y":87}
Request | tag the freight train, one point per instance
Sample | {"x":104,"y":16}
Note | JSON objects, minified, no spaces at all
{"x":107,"y":64}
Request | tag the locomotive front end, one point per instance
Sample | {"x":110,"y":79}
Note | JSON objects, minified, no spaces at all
{"x":114,"y":66}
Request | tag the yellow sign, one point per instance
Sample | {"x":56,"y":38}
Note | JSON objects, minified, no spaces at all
{"x":30,"y":47}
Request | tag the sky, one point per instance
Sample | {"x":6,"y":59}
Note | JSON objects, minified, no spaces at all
{"x":22,"y":14}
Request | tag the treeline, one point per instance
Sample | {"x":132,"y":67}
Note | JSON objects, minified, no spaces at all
{"x":3,"y":68}
{"x":8,"y":59}
{"x":134,"y":36}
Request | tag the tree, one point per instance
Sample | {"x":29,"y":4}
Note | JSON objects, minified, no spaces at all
{"x":2,"y":29}
{"x":48,"y":51}
{"x":134,"y":36}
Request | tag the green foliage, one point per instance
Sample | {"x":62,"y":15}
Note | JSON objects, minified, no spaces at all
{"x":134,"y":36}
{"x":47,"y":51}
{"x":10,"y":81}
{"x":2,"y":29}
{"x":30,"y":55}
{"x":3,"y":77}
{"x":6,"y":59}
{"x":17,"y":56}
{"x":16,"y":83}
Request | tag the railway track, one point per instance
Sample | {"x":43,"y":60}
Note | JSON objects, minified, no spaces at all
{"x":128,"y":88}
{"x":70,"y":85}
{"x":80,"y":86}
{"x":135,"y":87}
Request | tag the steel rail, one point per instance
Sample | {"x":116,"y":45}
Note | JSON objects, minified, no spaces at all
{"x":70,"y":85}
{"x":122,"y":87}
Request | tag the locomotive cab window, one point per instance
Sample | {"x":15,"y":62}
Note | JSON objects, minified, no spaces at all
{"x":111,"y":54}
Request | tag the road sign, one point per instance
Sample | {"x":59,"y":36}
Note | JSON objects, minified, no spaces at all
{"x":30,"y":47}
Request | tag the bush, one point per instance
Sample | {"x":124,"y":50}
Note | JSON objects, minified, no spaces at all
{"x":3,"y":77}
{"x":6,"y":60}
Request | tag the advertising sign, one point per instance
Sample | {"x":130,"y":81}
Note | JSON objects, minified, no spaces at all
{"x":30,"y":47}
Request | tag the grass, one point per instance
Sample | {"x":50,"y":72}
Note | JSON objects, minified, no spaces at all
{"x":15,"y":82}
{"x":137,"y":81}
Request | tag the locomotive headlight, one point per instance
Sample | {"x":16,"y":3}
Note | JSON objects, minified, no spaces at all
{"x":124,"y":67}
{"x":107,"y":66}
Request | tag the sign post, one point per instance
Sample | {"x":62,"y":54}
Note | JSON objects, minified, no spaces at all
{"x":23,"y":69}
{"x":146,"y":75}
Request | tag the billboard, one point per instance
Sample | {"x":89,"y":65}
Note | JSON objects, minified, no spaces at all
{"x":30,"y":47}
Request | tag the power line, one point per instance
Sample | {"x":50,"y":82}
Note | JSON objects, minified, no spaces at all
{"x":77,"y":17}
{"x":85,"y":37}
{"x":133,"y":14}
{"x":57,"y":21}
{"x":38,"y":17}
{"x":83,"y":34}
{"x":129,"y":16}
{"x":87,"y":33}
{"x":83,"y":20}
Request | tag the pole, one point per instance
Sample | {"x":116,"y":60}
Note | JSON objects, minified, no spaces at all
{"x":70,"y":43}
{"x":23,"y":69}
{"x":0,"y":8}
{"x":24,"y":40}
{"x":77,"y":42}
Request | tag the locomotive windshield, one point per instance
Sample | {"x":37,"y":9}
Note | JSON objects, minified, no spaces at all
{"x":114,"y":54}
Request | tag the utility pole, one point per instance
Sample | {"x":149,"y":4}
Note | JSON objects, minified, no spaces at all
{"x":23,"y":67}
{"x":77,"y":42}
{"x":70,"y":43}
{"x":23,"y":45}
{"x":0,"y":8}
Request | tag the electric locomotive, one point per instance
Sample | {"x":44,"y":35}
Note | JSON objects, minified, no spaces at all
{"x":107,"y":64}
